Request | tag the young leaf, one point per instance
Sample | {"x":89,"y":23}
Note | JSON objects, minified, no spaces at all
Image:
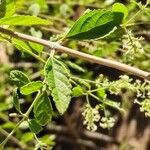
{"x":101,"y":93}
{"x":59,"y":84}
{"x":34,"y":126}
{"x":95,"y":24}
{"x":43,"y":109}
{"x":31,"y":87}
{"x":77,"y":91}
{"x":119,"y":7}
{"x":23,"y":20}
{"x":19,"y":78}
{"x":16,"y":100}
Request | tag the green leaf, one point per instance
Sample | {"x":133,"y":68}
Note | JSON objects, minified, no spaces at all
{"x":43,"y":109}
{"x":23,"y":20}
{"x":59,"y":83}
{"x":16,"y":100}
{"x":22,"y":46}
{"x":7,"y":8}
{"x":27,"y":137}
{"x":25,"y":48}
{"x":48,"y":139}
{"x":77,"y":91}
{"x":101,"y":93}
{"x":83,"y":82}
{"x":31,"y":87}
{"x":95,"y":24}
{"x":37,"y":47}
{"x":8,"y":125}
{"x":19,"y":78}
{"x":119,"y":7}
{"x":118,"y":33}
{"x":74,"y":66}
{"x":34,"y":126}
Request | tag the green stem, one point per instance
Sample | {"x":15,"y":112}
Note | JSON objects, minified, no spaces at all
{"x":76,"y":78}
{"x":11,"y":133}
{"x":38,"y":142}
{"x":132,"y":18}
{"x":94,"y":96}
{"x":35,"y":56}
{"x":136,"y":14}
{"x":26,"y":115}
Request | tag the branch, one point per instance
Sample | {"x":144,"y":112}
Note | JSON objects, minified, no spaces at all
{"x":74,"y":53}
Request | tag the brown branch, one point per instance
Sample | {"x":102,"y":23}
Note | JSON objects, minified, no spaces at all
{"x":74,"y":53}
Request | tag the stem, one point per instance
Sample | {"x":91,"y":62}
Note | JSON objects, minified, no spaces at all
{"x":134,"y":16}
{"x":86,"y":80}
{"x":78,"y":54}
{"x":26,"y":115}
{"x":13,"y":139}
{"x":38,"y":142}
{"x":11,"y":133}
{"x":36,"y":56}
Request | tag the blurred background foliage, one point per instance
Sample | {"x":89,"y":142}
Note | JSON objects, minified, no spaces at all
{"x":131,"y":129}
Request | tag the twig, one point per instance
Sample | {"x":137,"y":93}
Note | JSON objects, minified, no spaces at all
{"x":74,"y":53}
{"x":26,"y":115}
{"x":13,"y":139}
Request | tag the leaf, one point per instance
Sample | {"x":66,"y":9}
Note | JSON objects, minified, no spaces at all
{"x":16,"y":100}
{"x":101,"y":93}
{"x":5,"y":106}
{"x":77,"y":91}
{"x":95,"y":24}
{"x":74,"y":66}
{"x":23,"y":20}
{"x":34,"y":126}
{"x":19,"y":78}
{"x":7,"y":8}
{"x":22,"y":46}
{"x":118,"y":33}
{"x":119,"y":7}
{"x":8,"y":125}
{"x":59,"y":83}
{"x":43,"y":109}
{"x":48,"y":139}
{"x":31,"y":87}
{"x":83,"y":82}
{"x":37,"y":47}
{"x":27,"y":137}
